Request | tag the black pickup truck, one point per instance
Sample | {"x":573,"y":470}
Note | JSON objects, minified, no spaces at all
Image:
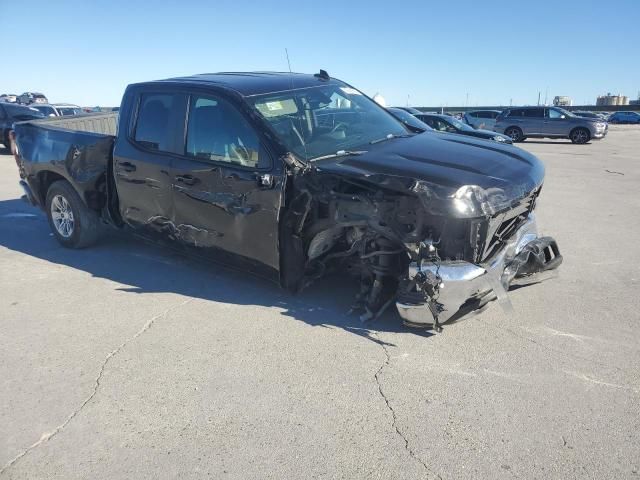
{"x":290,"y":176}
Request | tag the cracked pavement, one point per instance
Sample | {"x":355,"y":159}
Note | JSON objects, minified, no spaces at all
{"x":127,"y":361}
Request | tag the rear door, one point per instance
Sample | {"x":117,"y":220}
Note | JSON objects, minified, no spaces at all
{"x":142,"y":158}
{"x":532,"y":121}
{"x":227,"y":186}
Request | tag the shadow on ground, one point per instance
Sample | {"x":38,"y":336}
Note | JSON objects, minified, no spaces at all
{"x":145,"y":268}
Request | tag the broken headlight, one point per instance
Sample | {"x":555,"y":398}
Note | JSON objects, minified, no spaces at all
{"x":474,"y":201}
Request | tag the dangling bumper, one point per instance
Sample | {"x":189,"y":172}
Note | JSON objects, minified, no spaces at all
{"x":464,"y":287}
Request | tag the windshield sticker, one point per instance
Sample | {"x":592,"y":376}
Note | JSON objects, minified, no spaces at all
{"x":274,"y":106}
{"x":350,"y":91}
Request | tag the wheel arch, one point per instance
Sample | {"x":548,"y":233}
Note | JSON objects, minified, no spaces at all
{"x":581,"y":127}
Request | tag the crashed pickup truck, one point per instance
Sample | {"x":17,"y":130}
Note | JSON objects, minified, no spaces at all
{"x":292,"y":176}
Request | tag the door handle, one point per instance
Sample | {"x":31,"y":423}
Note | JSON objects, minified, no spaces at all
{"x":187,"y":179}
{"x":127,"y":166}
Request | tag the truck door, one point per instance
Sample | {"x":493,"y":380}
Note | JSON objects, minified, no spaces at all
{"x":227,"y":188}
{"x":142,"y":159}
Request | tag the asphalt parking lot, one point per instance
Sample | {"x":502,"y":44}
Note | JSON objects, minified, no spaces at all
{"x":127,"y":361}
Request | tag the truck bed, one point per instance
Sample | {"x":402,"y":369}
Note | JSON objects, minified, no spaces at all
{"x":102,"y":123}
{"x":77,"y":149}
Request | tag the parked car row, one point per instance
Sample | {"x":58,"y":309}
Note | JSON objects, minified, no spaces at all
{"x":27,"y":98}
{"x":11,"y":113}
{"x":519,"y":123}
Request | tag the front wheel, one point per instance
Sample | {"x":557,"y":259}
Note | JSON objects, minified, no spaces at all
{"x":72,"y":222}
{"x":515,"y":133}
{"x":580,"y":136}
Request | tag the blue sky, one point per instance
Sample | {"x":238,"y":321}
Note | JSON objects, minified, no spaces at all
{"x":432,"y":53}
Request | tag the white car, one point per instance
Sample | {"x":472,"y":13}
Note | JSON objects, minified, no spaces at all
{"x":57,"y":109}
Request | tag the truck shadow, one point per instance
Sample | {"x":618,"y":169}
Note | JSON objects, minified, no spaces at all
{"x":139,"y":268}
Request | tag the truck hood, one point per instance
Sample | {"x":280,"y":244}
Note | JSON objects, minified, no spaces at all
{"x":443,"y":163}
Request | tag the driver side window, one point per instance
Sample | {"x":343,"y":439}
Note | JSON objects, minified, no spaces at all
{"x":217,"y":131}
{"x":555,"y":113}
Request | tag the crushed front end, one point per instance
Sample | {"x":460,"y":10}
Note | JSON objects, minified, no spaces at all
{"x":464,"y":270}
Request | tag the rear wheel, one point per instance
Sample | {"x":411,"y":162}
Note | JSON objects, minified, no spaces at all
{"x":515,"y":133}
{"x":73,"y":224}
{"x":580,"y":135}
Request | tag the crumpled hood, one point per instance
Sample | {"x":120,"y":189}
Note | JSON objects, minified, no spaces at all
{"x":446,"y":160}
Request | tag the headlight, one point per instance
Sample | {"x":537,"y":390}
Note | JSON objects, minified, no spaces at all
{"x":499,"y":138}
{"x":474,"y":201}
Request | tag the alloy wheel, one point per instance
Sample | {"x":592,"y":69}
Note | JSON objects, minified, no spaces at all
{"x":62,"y":216}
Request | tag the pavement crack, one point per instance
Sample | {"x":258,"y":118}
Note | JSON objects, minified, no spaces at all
{"x":46,"y":436}
{"x":394,"y":417}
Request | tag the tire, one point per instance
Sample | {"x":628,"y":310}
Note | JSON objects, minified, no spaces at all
{"x":579,"y":136}
{"x":74,"y":225}
{"x":515,"y":133}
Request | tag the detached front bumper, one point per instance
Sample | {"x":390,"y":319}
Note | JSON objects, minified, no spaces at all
{"x":450,"y":290}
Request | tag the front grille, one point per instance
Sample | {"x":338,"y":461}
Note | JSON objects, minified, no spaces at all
{"x":501,"y":227}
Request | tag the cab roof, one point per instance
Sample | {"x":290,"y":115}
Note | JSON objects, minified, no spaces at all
{"x":255,"y":83}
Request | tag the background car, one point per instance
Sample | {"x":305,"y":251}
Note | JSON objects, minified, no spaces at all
{"x":481,"y":118}
{"x":8,"y":97}
{"x":65,"y":109}
{"x":10,"y":113}
{"x":57,"y":109}
{"x":549,"y":122}
{"x":445,"y":123}
{"x":27,"y":98}
{"x":411,"y":110}
{"x":409,"y":120}
{"x":625,"y":117}
{"x":586,"y":114}
{"x":45,"y":109}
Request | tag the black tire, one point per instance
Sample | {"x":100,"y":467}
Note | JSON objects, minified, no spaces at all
{"x":84,"y":222}
{"x":580,"y":136}
{"x":515,"y":133}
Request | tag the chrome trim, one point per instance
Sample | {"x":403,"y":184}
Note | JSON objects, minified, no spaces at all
{"x":463,"y":281}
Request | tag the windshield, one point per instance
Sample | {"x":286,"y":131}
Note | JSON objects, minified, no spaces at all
{"x":45,"y":109}
{"x":69,"y":110}
{"x":564,"y":112}
{"x":409,"y":119}
{"x":317,"y":121}
{"x":458,"y":124}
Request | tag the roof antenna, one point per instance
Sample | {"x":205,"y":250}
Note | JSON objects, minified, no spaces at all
{"x":288,"y":62}
{"x":323,"y":75}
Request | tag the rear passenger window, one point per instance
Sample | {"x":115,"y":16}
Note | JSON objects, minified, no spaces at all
{"x":152,"y":128}
{"x":217,"y":131}
{"x":516,"y":113}
{"x":534,"y":113}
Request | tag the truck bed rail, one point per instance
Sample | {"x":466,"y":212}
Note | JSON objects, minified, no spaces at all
{"x":102,"y":123}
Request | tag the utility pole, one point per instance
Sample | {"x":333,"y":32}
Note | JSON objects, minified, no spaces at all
{"x":546,"y":95}
{"x":539,"y":97}
{"x":466,"y":102}
{"x":511,"y":102}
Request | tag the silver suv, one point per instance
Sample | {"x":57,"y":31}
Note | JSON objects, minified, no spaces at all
{"x":548,"y":122}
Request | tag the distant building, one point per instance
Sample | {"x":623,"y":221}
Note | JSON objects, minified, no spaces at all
{"x":608,"y":100}
{"x":562,"y":101}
